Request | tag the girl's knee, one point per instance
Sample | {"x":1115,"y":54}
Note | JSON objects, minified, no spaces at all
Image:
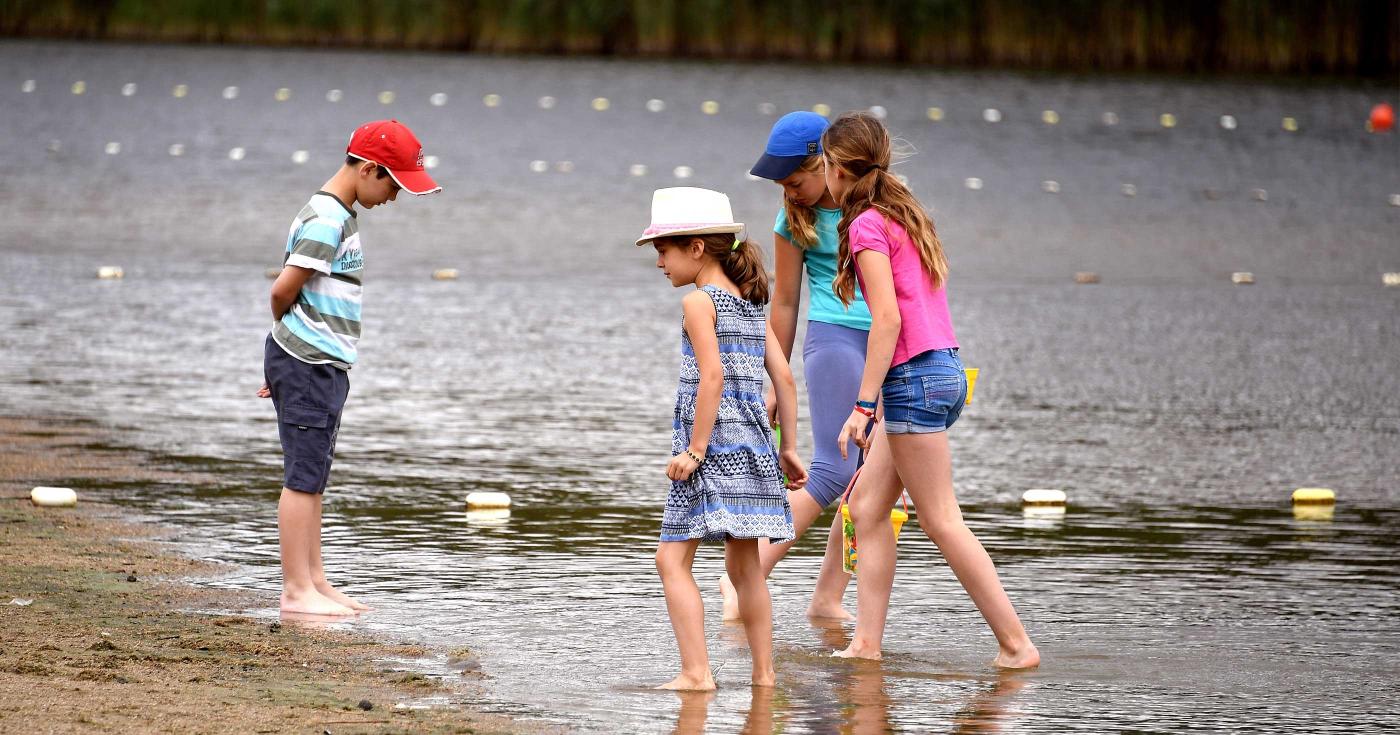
{"x":938,"y":528}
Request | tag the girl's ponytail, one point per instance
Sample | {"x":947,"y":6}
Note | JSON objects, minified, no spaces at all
{"x":743,"y":263}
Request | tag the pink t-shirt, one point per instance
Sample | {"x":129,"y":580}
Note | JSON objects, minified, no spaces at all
{"x":923,"y":310}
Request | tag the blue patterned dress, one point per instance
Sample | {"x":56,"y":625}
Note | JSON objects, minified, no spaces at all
{"x":738,"y":491}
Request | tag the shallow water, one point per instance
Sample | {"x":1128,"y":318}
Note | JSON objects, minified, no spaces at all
{"x":1177,"y":410}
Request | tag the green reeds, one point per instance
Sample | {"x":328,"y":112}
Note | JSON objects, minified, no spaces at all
{"x":1340,"y":37}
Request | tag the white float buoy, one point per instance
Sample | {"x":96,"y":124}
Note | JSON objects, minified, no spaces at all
{"x":973,"y":183}
{"x":1242,"y":278}
{"x":709,"y":107}
{"x":767,"y":108}
{"x":1086,"y":277}
{"x":991,"y":115}
{"x":445,"y":274}
{"x":1050,"y":186}
{"x":282,"y":94}
{"x":430,"y":161}
{"x":334,"y":95}
{"x":1041,"y":497}
{"x":1390,"y":279}
{"x":481,"y":500}
{"x":879,"y":112}
{"x":1050,"y":117}
{"x":180,"y":91}
{"x":1314,"y":496}
{"x":600,"y":104}
{"x":1128,"y":190}
{"x":386,"y":97}
{"x":29,"y":85}
{"x":655,"y":105}
{"x":55,"y":145}
{"x":547,"y":103}
{"x":53,"y":497}
{"x":683,"y":172}
{"x":539,"y":167}
{"x":1228,"y":122}
{"x":78,"y":87}
{"x":236,"y":154}
{"x":177,"y":149}
{"x":935,"y":113}
{"x":1260,"y":195}
{"x":113,"y":148}
{"x":564,"y":167}
{"x":438,"y":99}
{"x":823,"y":109}
{"x":1109,"y":118}
{"x":1290,"y":124}
{"x":230,"y":93}
{"x":1167,"y":120}
{"x":300,"y":157}
{"x":483,"y":517}
{"x":128,"y":89}
{"x":110,"y":272}
{"x":637,"y":169}
{"x":1394,"y":200}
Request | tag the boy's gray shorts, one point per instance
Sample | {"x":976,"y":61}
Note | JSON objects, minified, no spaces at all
{"x":308,"y":399}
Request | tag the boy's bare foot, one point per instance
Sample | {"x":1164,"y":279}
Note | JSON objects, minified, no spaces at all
{"x":336,"y":595}
{"x":689,"y":683}
{"x":858,"y":650}
{"x":827,"y":611}
{"x":313,"y":603}
{"x":1026,"y":657}
{"x":730,"y":609}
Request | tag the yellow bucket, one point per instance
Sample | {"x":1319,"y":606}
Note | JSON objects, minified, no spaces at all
{"x":971,"y":382}
{"x":849,"y":555}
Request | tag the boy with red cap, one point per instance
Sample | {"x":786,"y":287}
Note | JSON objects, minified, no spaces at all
{"x":308,"y":354}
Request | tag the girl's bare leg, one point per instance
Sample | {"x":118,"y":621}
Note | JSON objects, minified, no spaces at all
{"x":755,"y":606}
{"x":687,"y":611}
{"x":831,"y":582}
{"x":926,"y":465}
{"x":875,"y":493}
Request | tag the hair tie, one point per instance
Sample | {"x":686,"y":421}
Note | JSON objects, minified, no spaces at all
{"x":736,"y":245}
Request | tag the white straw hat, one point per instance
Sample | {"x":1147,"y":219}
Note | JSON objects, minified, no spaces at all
{"x":688,"y":210}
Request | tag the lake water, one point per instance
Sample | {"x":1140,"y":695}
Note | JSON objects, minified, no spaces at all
{"x":1178,"y":411}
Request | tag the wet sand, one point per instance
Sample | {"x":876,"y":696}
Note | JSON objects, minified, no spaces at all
{"x":112,"y":642}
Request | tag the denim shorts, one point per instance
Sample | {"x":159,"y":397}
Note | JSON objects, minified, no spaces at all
{"x":308,"y":399}
{"x":924,"y":395}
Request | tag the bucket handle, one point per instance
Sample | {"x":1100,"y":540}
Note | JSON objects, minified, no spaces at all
{"x":846,"y":496}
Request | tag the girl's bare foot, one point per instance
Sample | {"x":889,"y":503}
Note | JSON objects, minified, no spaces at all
{"x":1026,"y":657}
{"x":827,"y":611}
{"x":730,"y":609}
{"x":858,"y":650}
{"x":764,"y":678}
{"x":313,"y":603}
{"x":336,"y":595}
{"x":691,"y":683}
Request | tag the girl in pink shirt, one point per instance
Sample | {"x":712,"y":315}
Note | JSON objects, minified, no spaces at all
{"x":888,"y":244}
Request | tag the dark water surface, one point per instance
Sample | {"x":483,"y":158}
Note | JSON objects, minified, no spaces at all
{"x":1178,"y":411}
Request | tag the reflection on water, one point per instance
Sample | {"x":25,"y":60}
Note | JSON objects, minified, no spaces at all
{"x":1179,"y":592}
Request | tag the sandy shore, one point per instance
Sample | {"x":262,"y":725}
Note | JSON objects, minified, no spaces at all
{"x":99,"y":637}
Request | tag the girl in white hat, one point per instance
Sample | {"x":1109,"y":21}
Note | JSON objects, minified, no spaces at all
{"x":725,"y":472}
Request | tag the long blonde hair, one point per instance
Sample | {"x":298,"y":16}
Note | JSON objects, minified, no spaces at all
{"x":858,"y":144}
{"x":743,"y":264}
{"x":802,"y":221}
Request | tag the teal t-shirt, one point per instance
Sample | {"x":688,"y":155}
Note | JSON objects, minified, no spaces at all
{"x":820,"y":261}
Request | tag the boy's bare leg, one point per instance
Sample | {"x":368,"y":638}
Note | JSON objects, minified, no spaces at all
{"x":756,"y":607}
{"x":298,"y":525}
{"x":687,"y":611}
{"x":826,"y":598}
{"x":318,"y":574}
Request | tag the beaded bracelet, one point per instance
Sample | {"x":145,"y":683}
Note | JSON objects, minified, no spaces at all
{"x":698,"y":460}
{"x":862,"y":410}
{"x":866,"y":404}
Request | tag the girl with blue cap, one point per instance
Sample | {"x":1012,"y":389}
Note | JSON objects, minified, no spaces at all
{"x":833,"y":353}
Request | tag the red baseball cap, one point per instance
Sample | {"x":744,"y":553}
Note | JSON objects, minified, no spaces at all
{"x":392,"y":145}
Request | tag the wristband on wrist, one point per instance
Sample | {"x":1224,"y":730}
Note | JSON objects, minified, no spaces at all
{"x":866,"y":404}
{"x":866,"y":412}
{"x":698,"y":460}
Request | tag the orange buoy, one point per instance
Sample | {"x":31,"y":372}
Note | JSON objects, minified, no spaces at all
{"x":1382,"y":117}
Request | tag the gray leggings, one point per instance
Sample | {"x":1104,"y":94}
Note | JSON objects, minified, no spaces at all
{"x":833,"y":358}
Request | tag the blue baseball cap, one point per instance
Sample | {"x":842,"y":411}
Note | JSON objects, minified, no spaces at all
{"x":795,"y":136}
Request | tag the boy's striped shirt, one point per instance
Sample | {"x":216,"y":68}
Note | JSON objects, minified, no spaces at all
{"x":323,"y":326}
